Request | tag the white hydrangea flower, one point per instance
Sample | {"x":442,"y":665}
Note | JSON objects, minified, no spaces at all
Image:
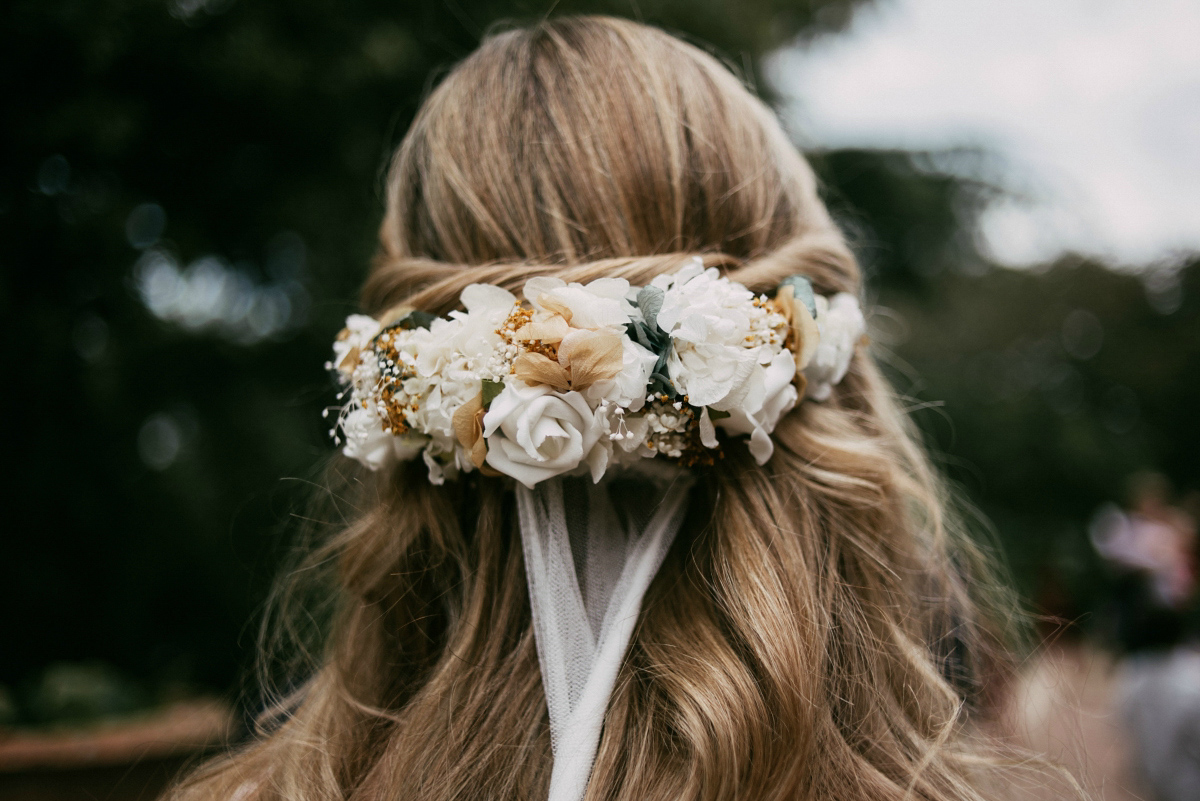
{"x":840,"y":321}
{"x":723,"y":340}
{"x":707,"y":320}
{"x":487,"y":307}
{"x":597,"y":305}
{"x":355,"y":337}
{"x":368,"y":442}
{"x":486,"y":300}
{"x":780,"y":398}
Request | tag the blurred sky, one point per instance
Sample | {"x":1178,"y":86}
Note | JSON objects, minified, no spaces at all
{"x":1089,"y":109}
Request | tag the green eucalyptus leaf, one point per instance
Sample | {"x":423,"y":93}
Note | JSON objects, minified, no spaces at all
{"x":660,"y":383}
{"x":650,"y":301}
{"x":802,"y":291}
{"x":637,"y":332}
{"x":660,"y":366}
{"x":414,"y":319}
{"x":421,"y":319}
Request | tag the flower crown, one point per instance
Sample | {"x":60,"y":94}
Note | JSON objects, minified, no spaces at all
{"x":583,"y":377}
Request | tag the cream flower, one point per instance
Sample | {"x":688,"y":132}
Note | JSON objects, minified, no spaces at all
{"x":840,"y":320}
{"x":487,"y":307}
{"x":627,"y":388}
{"x":534,"y":433}
{"x":780,"y":397}
{"x":606,"y":367}
{"x":352,"y":341}
{"x":368,"y":442}
{"x":599,"y":304}
{"x":709,"y":320}
{"x":805,"y":334}
{"x":586,"y":324}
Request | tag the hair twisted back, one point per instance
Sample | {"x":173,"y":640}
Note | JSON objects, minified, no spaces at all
{"x":435,"y":286}
{"x":811,"y":633}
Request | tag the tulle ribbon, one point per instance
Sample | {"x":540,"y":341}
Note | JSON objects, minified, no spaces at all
{"x":591,"y":551}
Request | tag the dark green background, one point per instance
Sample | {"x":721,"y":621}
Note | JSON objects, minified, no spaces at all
{"x":261,"y":129}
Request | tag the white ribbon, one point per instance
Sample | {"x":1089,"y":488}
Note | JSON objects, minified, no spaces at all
{"x":590,"y":554}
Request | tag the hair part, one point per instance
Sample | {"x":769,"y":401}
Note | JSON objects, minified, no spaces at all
{"x":812,"y":633}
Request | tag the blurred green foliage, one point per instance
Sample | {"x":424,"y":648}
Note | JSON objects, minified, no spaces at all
{"x":1041,"y":391}
{"x":217,"y":162}
{"x":188,"y":203}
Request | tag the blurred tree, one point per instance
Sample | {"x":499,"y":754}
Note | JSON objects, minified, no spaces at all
{"x":910,"y":216}
{"x":1058,"y":385}
{"x":1042,"y":390}
{"x":181,"y":178}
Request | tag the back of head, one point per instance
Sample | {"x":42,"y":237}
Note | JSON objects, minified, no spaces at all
{"x":809,"y":634}
{"x":591,"y":140}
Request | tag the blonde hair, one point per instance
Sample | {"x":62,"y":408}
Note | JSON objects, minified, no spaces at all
{"x":810,"y":634}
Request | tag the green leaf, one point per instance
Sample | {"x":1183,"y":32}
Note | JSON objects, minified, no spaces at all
{"x":418,"y":319}
{"x":414,"y":319}
{"x":637,"y":332}
{"x":660,"y":383}
{"x":660,"y":366}
{"x":650,"y":336}
{"x":650,"y":301}
{"x":490,"y":390}
{"x":716,"y":414}
{"x":802,"y":290}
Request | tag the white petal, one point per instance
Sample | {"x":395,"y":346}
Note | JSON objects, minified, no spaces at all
{"x":761,"y":446}
{"x":480,"y":297}
{"x":708,"y":434}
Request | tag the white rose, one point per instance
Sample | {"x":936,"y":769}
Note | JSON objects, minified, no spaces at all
{"x":780,"y":397}
{"x":368,"y":443}
{"x":599,"y":304}
{"x":534,"y":433}
{"x":840,"y":321}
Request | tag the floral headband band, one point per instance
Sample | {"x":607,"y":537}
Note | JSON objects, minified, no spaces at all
{"x":585,"y":377}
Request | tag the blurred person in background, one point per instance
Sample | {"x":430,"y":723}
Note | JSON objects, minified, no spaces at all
{"x":1152,"y":547}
